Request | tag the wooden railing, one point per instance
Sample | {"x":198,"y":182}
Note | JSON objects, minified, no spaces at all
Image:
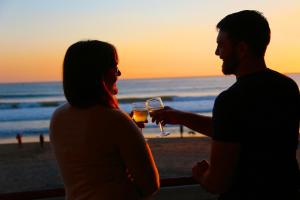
{"x":60,"y":192}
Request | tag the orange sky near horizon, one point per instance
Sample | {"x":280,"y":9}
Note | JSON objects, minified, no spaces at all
{"x":179,"y":41}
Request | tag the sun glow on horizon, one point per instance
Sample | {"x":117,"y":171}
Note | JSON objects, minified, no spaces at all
{"x":154,"y":39}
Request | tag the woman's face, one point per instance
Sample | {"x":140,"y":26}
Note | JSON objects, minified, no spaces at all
{"x":111,"y":77}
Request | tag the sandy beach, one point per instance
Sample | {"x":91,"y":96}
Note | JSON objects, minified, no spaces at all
{"x":34,"y":168}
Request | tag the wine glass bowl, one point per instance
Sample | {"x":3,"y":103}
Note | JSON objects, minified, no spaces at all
{"x":153,"y":105}
{"x":140,"y":112}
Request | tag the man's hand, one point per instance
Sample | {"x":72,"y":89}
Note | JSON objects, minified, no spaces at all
{"x":199,"y":169}
{"x":167,"y":115}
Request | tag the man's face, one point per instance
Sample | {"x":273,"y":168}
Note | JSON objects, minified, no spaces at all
{"x":227,"y":52}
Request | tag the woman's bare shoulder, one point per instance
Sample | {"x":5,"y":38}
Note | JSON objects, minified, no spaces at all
{"x":123,"y":120}
{"x":60,"y":110}
{"x":121,"y":116}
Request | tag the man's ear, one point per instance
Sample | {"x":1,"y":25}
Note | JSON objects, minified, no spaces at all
{"x":242,"y":49}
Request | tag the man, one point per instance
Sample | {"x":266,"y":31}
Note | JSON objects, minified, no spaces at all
{"x":255,"y":123}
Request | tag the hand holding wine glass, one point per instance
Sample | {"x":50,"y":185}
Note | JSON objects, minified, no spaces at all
{"x":153,"y":105}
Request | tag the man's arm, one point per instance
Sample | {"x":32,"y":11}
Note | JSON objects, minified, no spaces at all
{"x":217,"y":176}
{"x":199,"y":123}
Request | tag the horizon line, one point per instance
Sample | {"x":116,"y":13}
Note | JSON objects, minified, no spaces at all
{"x":145,"y":78}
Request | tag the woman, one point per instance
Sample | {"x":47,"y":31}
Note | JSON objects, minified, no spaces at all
{"x":101,"y":153}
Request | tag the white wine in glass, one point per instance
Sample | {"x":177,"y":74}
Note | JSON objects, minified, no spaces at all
{"x":154,"y":104}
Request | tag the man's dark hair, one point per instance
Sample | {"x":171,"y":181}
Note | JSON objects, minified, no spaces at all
{"x":247,"y":26}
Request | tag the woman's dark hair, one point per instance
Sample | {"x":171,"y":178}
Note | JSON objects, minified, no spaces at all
{"x":84,"y":65}
{"x":247,"y":26}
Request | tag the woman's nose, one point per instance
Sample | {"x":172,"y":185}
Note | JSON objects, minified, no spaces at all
{"x":118,"y":73}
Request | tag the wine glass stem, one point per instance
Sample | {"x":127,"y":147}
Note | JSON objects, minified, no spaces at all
{"x":161,"y":128}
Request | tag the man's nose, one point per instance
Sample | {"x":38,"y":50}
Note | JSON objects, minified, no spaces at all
{"x":217,"y":51}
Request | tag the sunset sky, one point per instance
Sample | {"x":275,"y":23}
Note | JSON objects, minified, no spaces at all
{"x":154,"y":38}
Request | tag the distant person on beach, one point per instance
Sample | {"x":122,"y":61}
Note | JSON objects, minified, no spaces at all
{"x":19,"y":139}
{"x":255,"y":123}
{"x":41,"y":140}
{"x":101,"y":152}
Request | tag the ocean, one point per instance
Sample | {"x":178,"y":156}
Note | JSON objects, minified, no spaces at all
{"x":26,"y":108}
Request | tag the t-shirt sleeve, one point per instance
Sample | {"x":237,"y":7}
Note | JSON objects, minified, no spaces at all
{"x":226,"y":122}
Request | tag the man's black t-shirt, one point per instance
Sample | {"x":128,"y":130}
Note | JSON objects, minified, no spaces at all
{"x":261,"y":112}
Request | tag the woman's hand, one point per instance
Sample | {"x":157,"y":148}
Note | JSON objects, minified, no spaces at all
{"x":139,"y":124}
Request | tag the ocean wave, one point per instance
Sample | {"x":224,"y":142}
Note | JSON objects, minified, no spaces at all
{"x":169,"y":99}
{"x":140,"y":99}
{"x":26,"y":114}
{"x":19,"y":105}
{"x":194,"y":98}
{"x":44,"y":113}
{"x":25,"y":132}
{"x":16,"y":105}
{"x":20,"y":96}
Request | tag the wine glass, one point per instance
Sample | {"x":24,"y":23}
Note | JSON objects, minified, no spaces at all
{"x":140,"y":112}
{"x":154,"y":104}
